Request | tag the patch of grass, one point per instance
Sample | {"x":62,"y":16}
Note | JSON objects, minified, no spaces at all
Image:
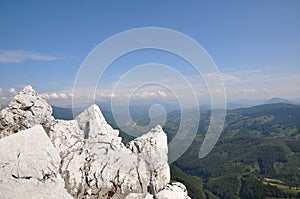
{"x":282,"y":186}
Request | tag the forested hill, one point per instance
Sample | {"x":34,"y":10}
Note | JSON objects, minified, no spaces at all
{"x":257,"y":156}
{"x":270,"y":120}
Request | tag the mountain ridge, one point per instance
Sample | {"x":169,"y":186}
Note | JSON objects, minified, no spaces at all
{"x":275,"y":100}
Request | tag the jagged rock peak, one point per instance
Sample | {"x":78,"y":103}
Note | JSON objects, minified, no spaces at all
{"x":25,"y":110}
{"x":93,"y":123}
{"x":152,"y":147}
{"x":25,"y":99}
{"x":156,"y":136}
{"x":81,"y":158}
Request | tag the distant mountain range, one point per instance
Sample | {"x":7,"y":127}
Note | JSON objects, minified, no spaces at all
{"x":275,"y":100}
{"x":138,"y":112}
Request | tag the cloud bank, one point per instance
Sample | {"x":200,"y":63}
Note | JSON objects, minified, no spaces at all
{"x":17,"y":56}
{"x":239,"y":85}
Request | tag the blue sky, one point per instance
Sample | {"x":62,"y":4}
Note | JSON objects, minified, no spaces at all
{"x":255,"y":44}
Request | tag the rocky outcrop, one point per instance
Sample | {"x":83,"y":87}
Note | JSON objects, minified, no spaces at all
{"x":29,"y":166}
{"x":24,"y":111}
{"x":153,"y":149}
{"x":81,"y":158}
{"x":94,"y":125}
{"x":174,"y":190}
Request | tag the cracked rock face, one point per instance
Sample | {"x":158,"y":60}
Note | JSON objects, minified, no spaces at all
{"x":81,"y":158}
{"x":24,"y":111}
{"x":30,"y":168}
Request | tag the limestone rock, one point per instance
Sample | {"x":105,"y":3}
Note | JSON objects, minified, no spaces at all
{"x":151,"y":146}
{"x":113,"y":169}
{"x":24,"y":111}
{"x":100,"y":166}
{"x":139,"y":196}
{"x":82,"y":158}
{"x":30,"y":166}
{"x":174,"y":190}
{"x":66,"y":136}
{"x":94,"y":124}
{"x":153,"y":149}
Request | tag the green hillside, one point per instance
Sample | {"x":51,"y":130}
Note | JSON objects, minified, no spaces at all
{"x":257,"y":156}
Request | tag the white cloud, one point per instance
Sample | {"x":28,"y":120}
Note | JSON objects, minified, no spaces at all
{"x":58,"y":98}
{"x":256,"y":84}
{"x":240,"y":77}
{"x":56,"y":95}
{"x":63,"y":96}
{"x":12,"y":91}
{"x":45,"y":95}
{"x":16,"y":56}
{"x":162,"y":94}
{"x":150,"y":94}
{"x":53,"y":96}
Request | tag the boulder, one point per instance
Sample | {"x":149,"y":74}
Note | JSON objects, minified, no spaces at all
{"x":26,"y":110}
{"x":174,"y":190}
{"x":29,"y":166}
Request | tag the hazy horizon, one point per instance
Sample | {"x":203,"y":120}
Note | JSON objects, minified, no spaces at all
{"x":255,"y":46}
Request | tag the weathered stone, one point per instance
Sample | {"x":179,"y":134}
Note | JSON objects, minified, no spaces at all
{"x":139,"y":196}
{"x":174,"y":190}
{"x":93,"y":124}
{"x":86,"y":156}
{"x":30,"y":166}
{"x":153,"y":149}
{"x":24,"y":111}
